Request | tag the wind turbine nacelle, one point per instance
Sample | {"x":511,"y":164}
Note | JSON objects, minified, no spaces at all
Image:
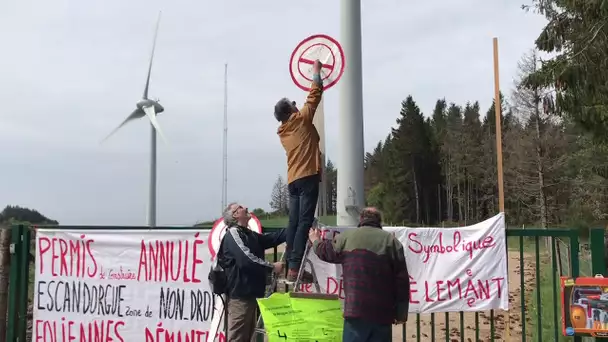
{"x":158,"y":108}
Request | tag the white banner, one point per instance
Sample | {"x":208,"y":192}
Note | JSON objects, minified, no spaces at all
{"x":122,"y":286}
{"x":451,"y":269}
{"x":128,"y":286}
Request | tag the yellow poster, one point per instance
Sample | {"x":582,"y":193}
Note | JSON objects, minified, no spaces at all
{"x":301,"y":319}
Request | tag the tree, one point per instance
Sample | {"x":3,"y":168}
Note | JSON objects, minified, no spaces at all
{"x":331,"y":186}
{"x":444,"y":167}
{"x":577,"y":35}
{"x":411,"y":169}
{"x":259,"y":212}
{"x":279,"y":198}
{"x":13,"y":215}
{"x":24,"y":215}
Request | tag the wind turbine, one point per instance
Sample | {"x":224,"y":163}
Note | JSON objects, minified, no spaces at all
{"x":150,"y":108}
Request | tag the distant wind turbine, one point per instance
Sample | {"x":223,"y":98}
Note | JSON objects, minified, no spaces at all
{"x":150,"y":108}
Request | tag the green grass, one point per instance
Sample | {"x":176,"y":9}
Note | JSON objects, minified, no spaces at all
{"x":270,"y":256}
{"x":282,"y":221}
{"x":548,"y":292}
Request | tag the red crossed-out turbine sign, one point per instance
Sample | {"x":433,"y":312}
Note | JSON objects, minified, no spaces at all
{"x":219,"y":230}
{"x":321,"y":47}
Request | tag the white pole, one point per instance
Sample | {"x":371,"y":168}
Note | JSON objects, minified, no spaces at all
{"x":152,"y":198}
{"x":351,"y":148}
{"x":319,"y":122}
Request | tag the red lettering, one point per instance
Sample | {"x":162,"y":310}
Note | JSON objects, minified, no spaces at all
{"x":306,"y":288}
{"x":440,"y":247}
{"x":186,"y":280}
{"x":412,"y":291}
{"x":117,"y":332}
{"x":54,"y":257}
{"x":451,"y":285}
{"x":63,"y":248}
{"x":77,"y":253}
{"x":161,"y":334}
{"x":94,"y":331}
{"x":71,"y":337}
{"x":195,"y":259}
{"x":426,"y":293}
{"x":335,"y":286}
{"x":498,"y":281}
{"x":439,"y":289}
{"x":75,"y":250}
{"x":44,"y":244}
{"x":169,"y":261}
{"x":474,"y":290}
{"x":470,"y":287}
{"x":90,"y":253}
{"x":39,"y":336}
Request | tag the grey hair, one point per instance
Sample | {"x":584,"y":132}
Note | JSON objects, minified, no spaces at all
{"x":228,"y":215}
{"x":283,"y":109}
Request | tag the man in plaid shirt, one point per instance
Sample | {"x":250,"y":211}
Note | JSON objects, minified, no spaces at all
{"x":375,"y":277}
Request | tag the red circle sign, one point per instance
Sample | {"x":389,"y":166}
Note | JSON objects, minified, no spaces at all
{"x":321,"y":47}
{"x":219,"y":230}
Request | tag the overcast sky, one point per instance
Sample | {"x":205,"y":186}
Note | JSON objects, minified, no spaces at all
{"x":71,"y":71}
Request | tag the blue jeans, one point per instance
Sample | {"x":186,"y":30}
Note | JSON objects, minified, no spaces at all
{"x":303,"y":196}
{"x":357,"y":330}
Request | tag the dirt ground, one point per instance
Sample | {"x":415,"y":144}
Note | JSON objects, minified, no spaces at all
{"x":484,"y":317}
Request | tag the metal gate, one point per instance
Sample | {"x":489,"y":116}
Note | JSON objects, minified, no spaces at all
{"x":535,"y":259}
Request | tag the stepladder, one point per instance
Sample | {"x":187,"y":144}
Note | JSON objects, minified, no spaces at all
{"x":294,"y":288}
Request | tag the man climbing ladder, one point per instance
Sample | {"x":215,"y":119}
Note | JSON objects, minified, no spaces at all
{"x":300,"y":140}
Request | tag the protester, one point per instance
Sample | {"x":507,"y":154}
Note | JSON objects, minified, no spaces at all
{"x":374,"y":274}
{"x":300,"y":140}
{"x":241,"y":255}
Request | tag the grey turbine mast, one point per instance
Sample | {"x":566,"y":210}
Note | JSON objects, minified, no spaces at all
{"x":150,"y":108}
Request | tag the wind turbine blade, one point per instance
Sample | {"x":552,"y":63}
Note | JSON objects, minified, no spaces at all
{"x":151,"y":58}
{"x":134,"y":115}
{"x":151,"y":113}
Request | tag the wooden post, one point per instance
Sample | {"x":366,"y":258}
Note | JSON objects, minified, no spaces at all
{"x":501,"y":189}
{"x":497,"y":107}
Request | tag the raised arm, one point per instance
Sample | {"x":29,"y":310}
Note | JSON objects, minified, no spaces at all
{"x":270,"y":240}
{"x":329,"y":250}
{"x":242,"y":254}
{"x":315,"y":94}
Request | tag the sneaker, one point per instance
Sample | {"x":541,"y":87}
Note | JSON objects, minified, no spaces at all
{"x":305,"y":278}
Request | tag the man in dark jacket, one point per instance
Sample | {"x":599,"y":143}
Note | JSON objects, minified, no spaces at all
{"x":242,"y":255}
{"x":375,"y":277}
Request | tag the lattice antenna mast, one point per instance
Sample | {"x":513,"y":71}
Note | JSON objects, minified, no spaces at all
{"x":225,"y":147}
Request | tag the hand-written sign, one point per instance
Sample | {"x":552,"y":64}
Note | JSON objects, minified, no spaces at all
{"x":451,"y":269}
{"x":104,"y":285}
{"x":301,"y":319}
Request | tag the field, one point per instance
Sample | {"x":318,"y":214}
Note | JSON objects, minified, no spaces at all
{"x":282,"y":221}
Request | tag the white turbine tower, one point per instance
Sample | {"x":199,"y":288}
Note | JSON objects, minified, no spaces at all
{"x":149,"y":108}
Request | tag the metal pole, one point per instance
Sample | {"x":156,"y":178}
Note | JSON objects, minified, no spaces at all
{"x":351,"y":149}
{"x":152,"y":199}
{"x":319,"y":122}
{"x":225,"y":147}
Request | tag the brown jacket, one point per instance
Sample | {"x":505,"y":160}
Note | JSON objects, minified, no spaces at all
{"x":300,"y":139}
